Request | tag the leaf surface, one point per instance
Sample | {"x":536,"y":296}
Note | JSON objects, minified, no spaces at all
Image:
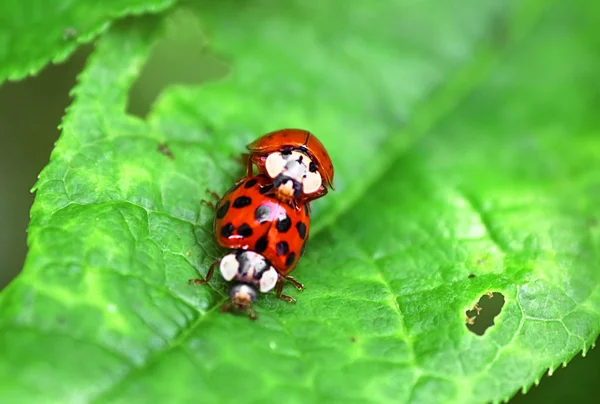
{"x":34,"y":33}
{"x":460,"y":171}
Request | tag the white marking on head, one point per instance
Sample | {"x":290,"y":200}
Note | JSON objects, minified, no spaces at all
{"x":229,"y":266}
{"x":268,"y":280}
{"x":275,"y":164}
{"x":296,"y":169}
{"x":311,"y":183}
{"x":255,"y":260}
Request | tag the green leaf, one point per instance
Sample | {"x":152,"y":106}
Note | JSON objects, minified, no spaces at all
{"x":465,"y":139}
{"x":34,"y":33}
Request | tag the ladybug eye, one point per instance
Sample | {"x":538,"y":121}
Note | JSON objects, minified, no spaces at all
{"x":286,"y":151}
{"x":312,"y":167}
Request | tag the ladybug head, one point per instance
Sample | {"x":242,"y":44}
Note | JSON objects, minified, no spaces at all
{"x":242,"y":295}
{"x":294,"y":173}
{"x":251,"y":273}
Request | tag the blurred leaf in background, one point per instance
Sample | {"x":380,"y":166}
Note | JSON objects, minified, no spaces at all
{"x":463,"y":185}
{"x":36,"y":32}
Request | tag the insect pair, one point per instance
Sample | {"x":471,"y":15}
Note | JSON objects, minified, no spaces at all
{"x":265,"y":218}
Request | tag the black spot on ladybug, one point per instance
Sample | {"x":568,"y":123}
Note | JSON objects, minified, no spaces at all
{"x":262,"y":213}
{"x":303,"y":248}
{"x":222,"y":211}
{"x":250,"y":183}
{"x":244,"y":230}
{"x":312,"y":167}
{"x":265,"y":189}
{"x":261,"y":244}
{"x":284,"y":224}
{"x":306,"y":209}
{"x":301,"y":229}
{"x":227,"y":230}
{"x":286,"y":151}
{"x":241,"y":202}
{"x":290,"y":260}
{"x":282,"y":248}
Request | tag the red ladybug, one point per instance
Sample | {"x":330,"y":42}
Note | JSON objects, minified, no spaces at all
{"x":296,"y":161}
{"x":268,"y":236}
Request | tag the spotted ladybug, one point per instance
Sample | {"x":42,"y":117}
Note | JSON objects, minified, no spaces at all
{"x":296,"y":161}
{"x":267,"y":237}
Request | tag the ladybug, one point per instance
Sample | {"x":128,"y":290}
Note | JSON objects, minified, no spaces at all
{"x":268,"y":237}
{"x":296,"y":161}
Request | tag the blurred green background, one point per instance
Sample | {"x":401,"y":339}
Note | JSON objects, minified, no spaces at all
{"x":31,"y":110}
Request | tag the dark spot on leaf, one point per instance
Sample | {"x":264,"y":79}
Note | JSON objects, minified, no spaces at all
{"x":592,"y":222}
{"x":481,"y":316}
{"x":227,"y":230}
{"x":301,"y":230}
{"x":282,"y":248}
{"x":241,"y":202}
{"x":290,"y":260}
{"x":352,"y":339}
{"x":471,"y":276}
{"x":244,"y":230}
{"x":165,"y":150}
{"x":261,"y":244}
{"x":284,"y":224}
{"x":250,"y":183}
{"x":222,"y":211}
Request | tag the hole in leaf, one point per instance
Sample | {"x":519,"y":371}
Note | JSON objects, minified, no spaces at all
{"x":481,"y":316}
{"x":179,"y":57}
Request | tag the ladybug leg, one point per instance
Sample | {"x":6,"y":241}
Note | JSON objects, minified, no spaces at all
{"x":209,"y":275}
{"x":244,"y":160}
{"x":297,"y":284}
{"x":252,"y":314}
{"x":226,"y":307}
{"x":279,"y":289}
{"x":214,"y":196}
{"x":208,"y":203}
